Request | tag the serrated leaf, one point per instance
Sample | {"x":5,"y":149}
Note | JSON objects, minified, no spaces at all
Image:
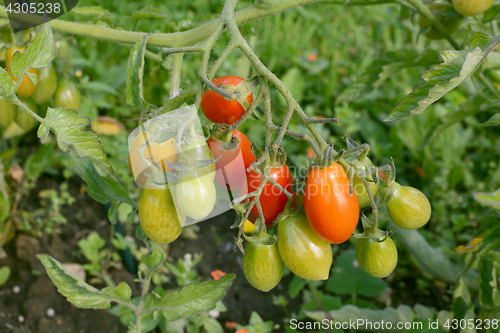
{"x":155,"y":259}
{"x":493,"y":121}
{"x":75,"y":290}
{"x":490,"y":199}
{"x":95,"y":12}
{"x":457,"y":66}
{"x":347,"y":278}
{"x":121,"y":292}
{"x":39,"y":53}
{"x":68,"y":129}
{"x":480,"y":39}
{"x":489,"y":295}
{"x":7,"y":85}
{"x":4,"y":274}
{"x":177,"y":101}
{"x":193,"y":300}
{"x":102,"y":189}
{"x":381,"y":69}
{"x":135,"y":72}
{"x":148,"y":12}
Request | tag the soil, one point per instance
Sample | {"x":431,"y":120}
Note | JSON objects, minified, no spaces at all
{"x":29,"y":301}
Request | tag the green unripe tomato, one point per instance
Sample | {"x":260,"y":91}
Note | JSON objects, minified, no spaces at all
{"x":68,"y":95}
{"x":47,"y":85}
{"x":408,"y":208}
{"x":377,"y":259}
{"x":195,"y":195}
{"x":262,"y":265}
{"x":303,"y":252}
{"x":7,"y":112}
{"x":471,"y":7}
{"x":445,"y":14}
{"x":494,"y":74}
{"x":159,"y":219}
{"x":23,"y":119}
{"x":61,"y":48}
{"x":360,"y":189}
{"x":198,"y":150}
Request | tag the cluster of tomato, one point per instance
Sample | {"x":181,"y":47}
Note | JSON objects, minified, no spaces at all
{"x":304,"y":238}
{"x":450,"y":15}
{"x":64,"y":92}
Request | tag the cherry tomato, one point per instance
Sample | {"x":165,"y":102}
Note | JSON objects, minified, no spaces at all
{"x":302,"y":251}
{"x":68,"y":95}
{"x":47,"y":84}
{"x":158,"y":152}
{"x":262,"y":265}
{"x":218,"y":109}
{"x":377,"y":259}
{"x":272,"y":200}
{"x":408,"y":208}
{"x":331,"y":211}
{"x":26,"y":88}
{"x":471,"y":7}
{"x":159,"y":219}
{"x":8,"y":112}
{"x":196,"y":195}
{"x":232,"y":164}
{"x":445,"y":14}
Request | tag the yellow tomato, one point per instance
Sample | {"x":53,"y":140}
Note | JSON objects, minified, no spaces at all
{"x":26,"y":88}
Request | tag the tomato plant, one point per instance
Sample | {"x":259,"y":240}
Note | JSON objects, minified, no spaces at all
{"x":408,"y":208}
{"x":229,"y":169}
{"x":198,"y":150}
{"x":23,"y":119}
{"x":159,"y":219}
{"x":220,"y":110}
{"x":303,"y":252}
{"x":445,"y":14}
{"x":196,"y":195}
{"x":262,"y":265}
{"x":26,"y":88}
{"x":68,"y":95}
{"x":377,"y":259}
{"x":8,"y":112}
{"x":47,"y":85}
{"x":360,"y":189}
{"x":471,"y":7}
{"x":331,"y":211}
{"x":272,"y":200}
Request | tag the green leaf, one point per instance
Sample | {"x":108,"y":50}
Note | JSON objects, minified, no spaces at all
{"x":155,"y":259}
{"x":490,"y":199}
{"x":4,"y":274}
{"x":193,"y":300}
{"x":113,"y":212}
{"x":295,"y":82}
{"x":382,"y":69}
{"x":493,"y":121}
{"x":39,"y":53}
{"x":38,"y":162}
{"x":78,"y":292}
{"x":490,"y":242}
{"x":148,"y":12}
{"x":177,"y":101}
{"x":457,"y":66}
{"x":102,"y":189}
{"x":101,"y":87}
{"x":135,"y":72}
{"x":121,"y":292}
{"x":347,"y":278}
{"x":489,"y":295}
{"x":4,"y":207}
{"x":492,"y":14}
{"x":94,"y":12}
{"x":7,"y":85}
{"x":68,"y":129}
{"x":296,"y":286}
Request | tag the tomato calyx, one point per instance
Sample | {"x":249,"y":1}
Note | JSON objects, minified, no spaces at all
{"x":242,"y":90}
{"x":220,"y":134}
{"x":371,"y":231}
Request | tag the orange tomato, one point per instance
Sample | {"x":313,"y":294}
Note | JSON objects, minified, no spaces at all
{"x":26,"y":88}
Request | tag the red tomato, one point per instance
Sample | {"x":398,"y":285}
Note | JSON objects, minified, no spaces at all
{"x":272,"y":200}
{"x":231,"y":167}
{"x":218,"y":109}
{"x":332,"y":213}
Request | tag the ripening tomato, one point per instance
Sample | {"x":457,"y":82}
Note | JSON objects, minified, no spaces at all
{"x":158,"y":152}
{"x":377,"y":259}
{"x":408,"y":208}
{"x":302,"y":251}
{"x":159,"y":219}
{"x":68,"y":95}
{"x":26,"y":88}
{"x":218,"y":109}
{"x":272,"y":200}
{"x":196,"y":195}
{"x":47,"y":85}
{"x":8,"y":112}
{"x":331,"y":211}
{"x":262,"y":265}
{"x":232,"y":164}
{"x":471,"y":7}
{"x":445,"y":14}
